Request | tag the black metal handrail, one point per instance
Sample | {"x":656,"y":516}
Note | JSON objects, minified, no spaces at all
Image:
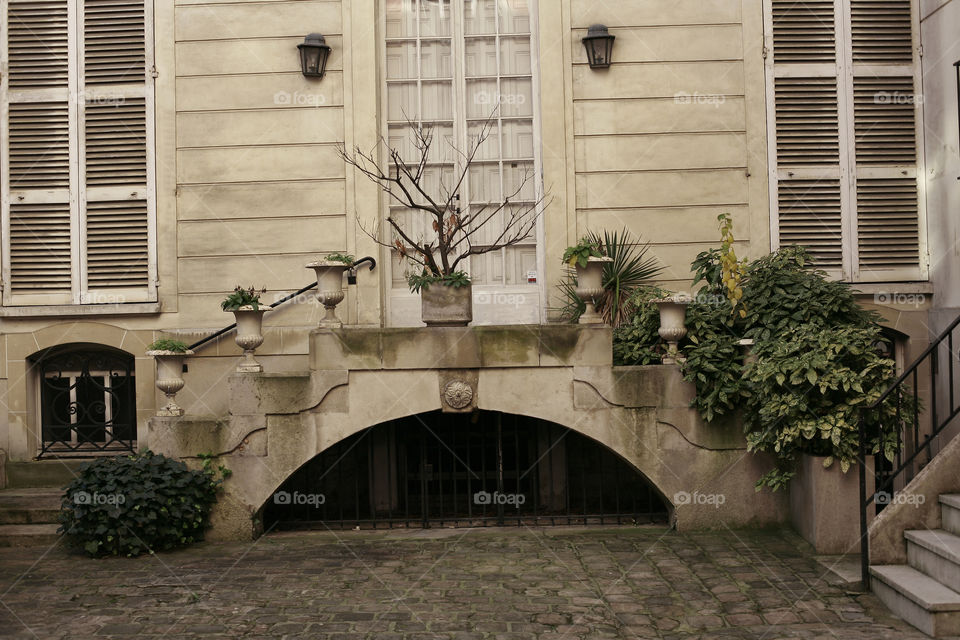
{"x":301,"y":291}
{"x":905,"y":460}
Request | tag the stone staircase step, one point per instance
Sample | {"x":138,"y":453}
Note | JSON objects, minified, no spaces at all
{"x":917,"y":598}
{"x":28,"y":535}
{"x":936,"y":553}
{"x":950,"y":512}
{"x":29,"y":506}
{"x":51,"y":474}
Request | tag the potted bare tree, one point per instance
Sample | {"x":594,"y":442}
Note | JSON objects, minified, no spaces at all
{"x":438,"y":237}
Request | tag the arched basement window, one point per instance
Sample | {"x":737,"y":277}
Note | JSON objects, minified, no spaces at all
{"x":481,"y":469}
{"x":87,"y":400}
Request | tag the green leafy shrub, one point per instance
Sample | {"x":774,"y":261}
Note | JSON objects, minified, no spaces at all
{"x":128,"y":505}
{"x":580,"y":253}
{"x":345,"y":258}
{"x":629,"y":270}
{"x":418,"y":281}
{"x":243,"y":298}
{"x":168,"y":344}
{"x":637,"y":341}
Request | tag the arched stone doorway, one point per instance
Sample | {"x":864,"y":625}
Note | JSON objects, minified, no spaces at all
{"x":478,"y":469}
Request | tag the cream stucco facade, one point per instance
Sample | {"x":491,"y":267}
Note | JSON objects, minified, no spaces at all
{"x":250,"y":187}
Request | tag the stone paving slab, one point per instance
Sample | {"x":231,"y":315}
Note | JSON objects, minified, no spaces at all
{"x":509,"y":584}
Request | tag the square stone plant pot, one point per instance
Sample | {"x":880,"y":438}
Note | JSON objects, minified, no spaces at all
{"x":825,"y":504}
{"x":442,"y":306}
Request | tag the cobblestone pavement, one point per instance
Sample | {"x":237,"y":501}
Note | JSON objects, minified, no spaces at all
{"x":454,"y":584}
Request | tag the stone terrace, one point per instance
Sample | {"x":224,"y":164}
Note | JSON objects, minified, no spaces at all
{"x":445,"y":584}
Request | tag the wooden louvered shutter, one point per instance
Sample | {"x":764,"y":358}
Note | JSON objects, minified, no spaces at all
{"x":116,"y":167}
{"x":807,"y":178}
{"x":890,"y":236}
{"x":39,"y":172}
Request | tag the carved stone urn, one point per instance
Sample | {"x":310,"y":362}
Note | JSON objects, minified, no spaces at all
{"x":249,"y":336}
{"x":673,"y":317}
{"x":170,"y":378}
{"x":329,"y":289}
{"x":590,"y":288}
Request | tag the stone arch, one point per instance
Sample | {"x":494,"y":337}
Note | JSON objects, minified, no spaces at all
{"x":377,"y":458}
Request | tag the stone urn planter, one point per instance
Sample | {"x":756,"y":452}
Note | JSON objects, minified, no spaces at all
{"x":170,"y":378}
{"x":590,"y":288}
{"x":329,"y":289}
{"x":825,"y":503}
{"x":443,"y":306}
{"x":746,"y":350}
{"x":249,"y":336}
{"x":673,"y":327}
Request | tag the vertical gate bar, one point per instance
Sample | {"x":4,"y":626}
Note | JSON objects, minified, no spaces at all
{"x":441,"y":434}
{"x":424,"y":497}
{"x":934,"y":424}
{"x":392,"y":465}
{"x":405,"y":476}
{"x":516,"y":464}
{"x":916,"y":422}
{"x":469,"y":472}
{"x":483,"y":468}
{"x":616,"y":495}
{"x":566,"y":479}
{"x":950,"y":359}
{"x":500,"y":486}
{"x":340,"y":491}
{"x":583,"y":486}
{"x":603,"y":511}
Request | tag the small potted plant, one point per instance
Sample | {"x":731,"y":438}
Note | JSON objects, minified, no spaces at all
{"x":329,"y":272}
{"x":169,"y":355}
{"x":246,"y":307}
{"x":673,"y":324}
{"x":587,"y":258}
{"x":445,"y":300}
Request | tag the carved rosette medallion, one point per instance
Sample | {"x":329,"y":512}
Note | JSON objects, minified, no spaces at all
{"x":458,"y":394}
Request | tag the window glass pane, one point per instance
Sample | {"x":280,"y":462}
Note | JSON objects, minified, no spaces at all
{"x":520,"y":260}
{"x":402,"y":60}
{"x":518,"y":139}
{"x":489,"y":148}
{"x":482,"y":97}
{"x":481,"y":57}
{"x":515,"y":56}
{"x":435,"y":19}
{"x":435,"y":60}
{"x":518,"y":181}
{"x":484,"y":182}
{"x":479,"y":16}
{"x":514,"y":16}
{"x":401,"y":101}
{"x":401,"y":19}
{"x":516,"y":97}
{"x":437,"y":101}
{"x":487,"y":268}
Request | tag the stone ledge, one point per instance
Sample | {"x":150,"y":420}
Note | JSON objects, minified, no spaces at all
{"x":355,"y":348}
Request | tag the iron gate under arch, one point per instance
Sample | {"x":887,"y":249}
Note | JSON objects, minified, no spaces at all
{"x":480,"y":469}
{"x":87,"y":400}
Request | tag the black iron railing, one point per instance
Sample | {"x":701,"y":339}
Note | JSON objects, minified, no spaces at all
{"x":913,"y":427}
{"x":352,"y":277}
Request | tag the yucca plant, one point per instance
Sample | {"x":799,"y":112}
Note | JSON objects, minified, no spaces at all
{"x":631,"y":268}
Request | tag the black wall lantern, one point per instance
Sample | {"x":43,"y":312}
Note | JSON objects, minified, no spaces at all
{"x":599,"y":45}
{"x":313,"y":55}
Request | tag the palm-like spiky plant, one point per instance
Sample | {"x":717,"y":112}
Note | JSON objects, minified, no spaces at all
{"x":631,"y":268}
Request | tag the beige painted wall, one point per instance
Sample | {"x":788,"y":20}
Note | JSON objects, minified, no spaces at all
{"x":250,"y":188}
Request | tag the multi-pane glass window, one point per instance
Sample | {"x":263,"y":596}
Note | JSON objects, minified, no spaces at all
{"x":460,"y":67}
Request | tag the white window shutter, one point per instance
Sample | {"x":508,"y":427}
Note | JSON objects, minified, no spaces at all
{"x":39,"y":174}
{"x":888,"y":223}
{"x":807,"y":135}
{"x":845,"y":144}
{"x":116,"y":165}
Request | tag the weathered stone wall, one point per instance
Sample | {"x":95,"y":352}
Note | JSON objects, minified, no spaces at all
{"x":364,"y":377}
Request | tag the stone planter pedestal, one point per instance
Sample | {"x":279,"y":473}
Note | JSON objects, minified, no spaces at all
{"x":170,"y":379}
{"x":329,"y":289}
{"x":249,"y":337}
{"x":590,"y":288}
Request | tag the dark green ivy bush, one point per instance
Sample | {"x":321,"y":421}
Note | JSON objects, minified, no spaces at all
{"x":128,"y":505}
{"x":820,"y":359}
